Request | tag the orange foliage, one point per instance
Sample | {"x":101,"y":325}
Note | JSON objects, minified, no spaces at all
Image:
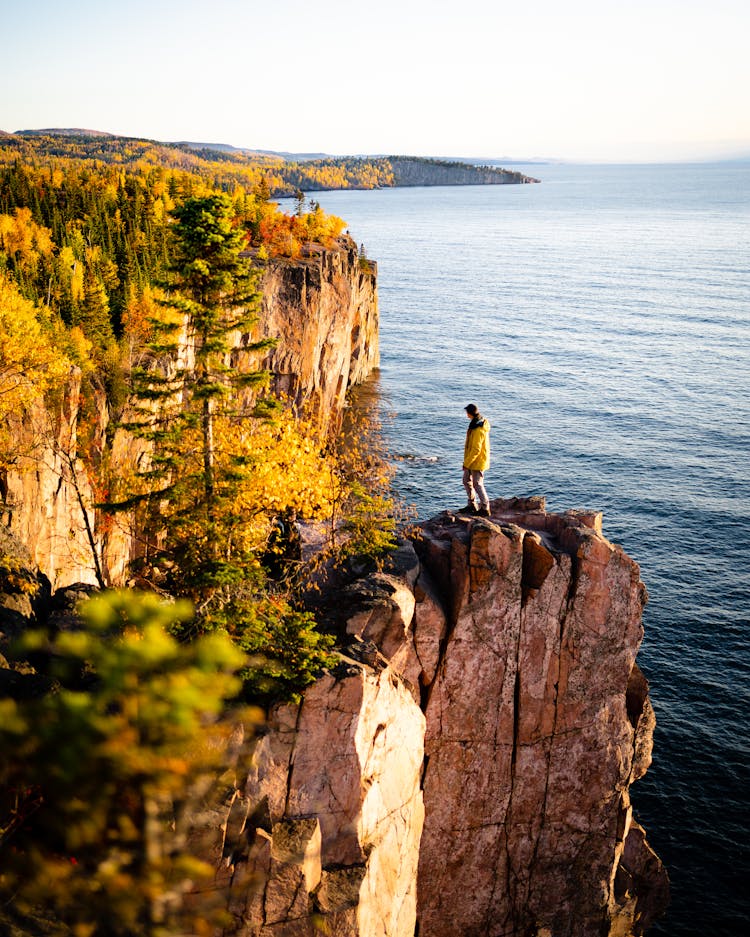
{"x":286,"y":235}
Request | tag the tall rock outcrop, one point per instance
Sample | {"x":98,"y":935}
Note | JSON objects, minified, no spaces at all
{"x":537,"y":723}
{"x":516,"y":636}
{"x":322,"y":310}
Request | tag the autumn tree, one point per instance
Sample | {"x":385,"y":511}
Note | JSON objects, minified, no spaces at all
{"x":100,"y":776}
{"x":189,"y":380}
{"x":31,"y":360}
{"x":217,"y":292}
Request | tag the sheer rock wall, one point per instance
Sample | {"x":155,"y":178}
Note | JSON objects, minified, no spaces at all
{"x":538,"y":721}
{"x":324,"y":312}
{"x":322,"y":835}
{"x":516,"y":636}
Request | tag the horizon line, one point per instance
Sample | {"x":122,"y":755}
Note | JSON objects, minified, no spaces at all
{"x":741,"y":155}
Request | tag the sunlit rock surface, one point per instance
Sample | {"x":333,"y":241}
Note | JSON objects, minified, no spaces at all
{"x":333,"y":813}
{"x":537,"y":722}
{"x":323,"y":309}
{"x":517,"y":636}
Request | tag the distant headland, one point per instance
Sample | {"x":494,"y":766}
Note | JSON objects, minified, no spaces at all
{"x":285,"y":173}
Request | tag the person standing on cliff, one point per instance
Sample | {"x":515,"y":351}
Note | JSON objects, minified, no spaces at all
{"x":476,"y":462}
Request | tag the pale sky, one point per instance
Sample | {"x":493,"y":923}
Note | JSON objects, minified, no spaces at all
{"x":574,"y":79}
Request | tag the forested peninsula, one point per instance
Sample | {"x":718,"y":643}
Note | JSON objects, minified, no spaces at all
{"x":283,"y":174}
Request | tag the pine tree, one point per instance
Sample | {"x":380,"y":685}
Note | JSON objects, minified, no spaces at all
{"x":198,"y":485}
{"x":93,"y":315}
{"x":190,"y":382}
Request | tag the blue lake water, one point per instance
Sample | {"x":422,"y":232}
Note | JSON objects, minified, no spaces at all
{"x":601,"y":321}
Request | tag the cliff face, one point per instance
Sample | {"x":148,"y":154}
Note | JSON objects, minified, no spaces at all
{"x":323,"y":311}
{"x":326,"y":828}
{"x":43,"y":493}
{"x":516,"y":638}
{"x":534,"y":725}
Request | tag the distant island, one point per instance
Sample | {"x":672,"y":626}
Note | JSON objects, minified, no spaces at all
{"x":283,"y":173}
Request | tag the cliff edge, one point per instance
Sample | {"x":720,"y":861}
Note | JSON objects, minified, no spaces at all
{"x":323,"y":311}
{"x":467,"y":770}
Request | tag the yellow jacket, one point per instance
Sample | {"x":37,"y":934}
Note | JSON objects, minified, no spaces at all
{"x":477,"y":448}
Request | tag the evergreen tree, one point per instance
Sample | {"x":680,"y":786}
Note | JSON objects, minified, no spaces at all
{"x":197,"y":486}
{"x":93,"y":314}
{"x":192,"y":381}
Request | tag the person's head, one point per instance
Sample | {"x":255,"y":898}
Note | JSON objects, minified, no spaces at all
{"x":471,"y":410}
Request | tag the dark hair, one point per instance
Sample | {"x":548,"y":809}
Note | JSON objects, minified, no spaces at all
{"x":472,"y":409}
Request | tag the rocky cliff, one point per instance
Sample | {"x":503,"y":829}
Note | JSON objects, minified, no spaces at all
{"x":322,"y":310}
{"x":467,"y":769}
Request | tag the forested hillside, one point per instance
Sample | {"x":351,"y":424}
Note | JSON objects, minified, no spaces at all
{"x":125,"y":286}
{"x":89,"y":238}
{"x":226,"y":166}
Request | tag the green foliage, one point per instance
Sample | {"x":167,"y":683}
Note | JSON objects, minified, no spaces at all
{"x":289,"y":652}
{"x":98,"y":779}
{"x":370,"y":524}
{"x":207,"y":258}
{"x":286,"y":651}
{"x":197,"y":488}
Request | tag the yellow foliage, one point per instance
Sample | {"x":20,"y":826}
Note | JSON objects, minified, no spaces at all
{"x":102,"y":782}
{"x":78,"y":346}
{"x":30,"y":363}
{"x":143,"y":308}
{"x":23,"y":239}
{"x":291,"y":469}
{"x":15,"y":576}
{"x":283,"y":235}
{"x":264,"y":468}
{"x":71,"y":269}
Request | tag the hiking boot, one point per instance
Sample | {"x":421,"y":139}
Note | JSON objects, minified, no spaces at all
{"x":483,"y":512}
{"x":467,"y":509}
